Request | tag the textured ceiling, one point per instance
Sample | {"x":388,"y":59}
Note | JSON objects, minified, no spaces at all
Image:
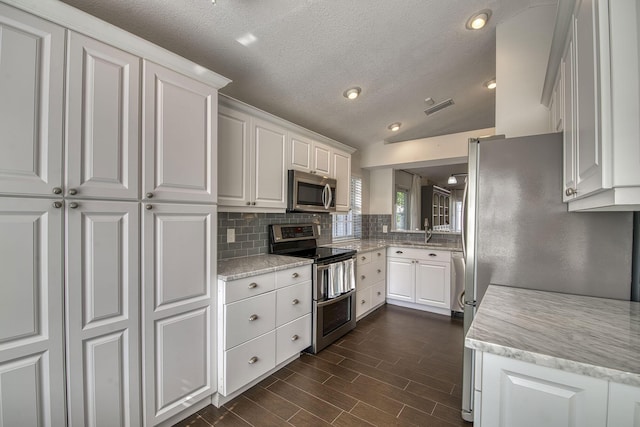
{"x":307,"y":52}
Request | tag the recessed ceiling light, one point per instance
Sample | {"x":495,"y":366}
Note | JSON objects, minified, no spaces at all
{"x":247,"y":39}
{"x":478,"y":20}
{"x":352,"y":93}
{"x":491,"y":84}
{"x":394,"y":127}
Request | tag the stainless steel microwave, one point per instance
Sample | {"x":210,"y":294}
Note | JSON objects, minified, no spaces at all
{"x":310,"y":193}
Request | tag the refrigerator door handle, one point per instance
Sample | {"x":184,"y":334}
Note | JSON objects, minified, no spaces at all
{"x":464,"y":218}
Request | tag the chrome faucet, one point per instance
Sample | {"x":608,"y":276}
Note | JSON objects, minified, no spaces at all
{"x":427,"y":231}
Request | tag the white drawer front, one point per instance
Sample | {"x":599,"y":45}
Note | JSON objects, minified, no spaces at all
{"x":416,"y":253}
{"x":378,"y":294}
{"x":363,"y":258}
{"x":363,"y":301}
{"x":248,"y":361}
{"x":235,"y":290}
{"x":364,"y":276}
{"x":292,"y":276}
{"x":293,"y":302}
{"x":292,"y":338}
{"x":249,"y":318}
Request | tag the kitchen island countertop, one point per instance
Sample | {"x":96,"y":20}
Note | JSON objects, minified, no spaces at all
{"x":590,"y":336}
{"x":238,"y":268}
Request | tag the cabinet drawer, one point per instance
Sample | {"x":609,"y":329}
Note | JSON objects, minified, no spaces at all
{"x":293,"y":302}
{"x":292,"y":276}
{"x":369,"y":274}
{"x":363,"y":301}
{"x":423,"y":254}
{"x":378,"y":294}
{"x":363,"y":258}
{"x":292,"y":338}
{"x":235,"y":290}
{"x":249,"y":318}
{"x":248,"y":361}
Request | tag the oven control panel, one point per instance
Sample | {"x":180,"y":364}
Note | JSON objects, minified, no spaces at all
{"x":287,"y":232}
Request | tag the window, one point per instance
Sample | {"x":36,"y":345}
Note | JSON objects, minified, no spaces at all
{"x":402,"y":208}
{"x":349,"y":226}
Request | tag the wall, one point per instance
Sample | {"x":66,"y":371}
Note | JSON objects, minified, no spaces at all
{"x":523,"y":43}
{"x":434,"y":151}
{"x":381,"y":191}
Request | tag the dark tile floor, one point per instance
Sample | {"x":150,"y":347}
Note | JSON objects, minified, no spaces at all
{"x":398,"y":367}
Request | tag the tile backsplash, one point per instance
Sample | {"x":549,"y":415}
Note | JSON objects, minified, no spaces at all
{"x":251,"y":231}
{"x":372,"y":229}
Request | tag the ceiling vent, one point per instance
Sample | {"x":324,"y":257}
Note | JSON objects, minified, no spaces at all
{"x":439,"y":106}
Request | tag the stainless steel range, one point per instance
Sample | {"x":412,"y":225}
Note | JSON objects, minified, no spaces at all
{"x":334,"y":308}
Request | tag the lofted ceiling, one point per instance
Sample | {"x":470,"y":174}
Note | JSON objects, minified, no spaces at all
{"x":306,"y":53}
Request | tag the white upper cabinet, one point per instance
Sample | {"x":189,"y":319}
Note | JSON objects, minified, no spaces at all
{"x":321,"y":159}
{"x":300,"y":153}
{"x":251,"y":167}
{"x":341,"y":167}
{"x":32,"y":377}
{"x":179,"y":139}
{"x":103,"y":300}
{"x":31,"y":104}
{"x":103,"y":104}
{"x":598,"y":60}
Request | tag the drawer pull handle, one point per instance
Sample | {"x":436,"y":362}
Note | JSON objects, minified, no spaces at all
{"x":294,"y":338}
{"x":253,"y":285}
{"x":295,"y":275}
{"x":253,"y":317}
{"x":253,"y":360}
{"x":433,"y":254}
{"x":295,"y":301}
{"x":363,"y":277}
{"x":364,"y":257}
{"x":399,"y":252}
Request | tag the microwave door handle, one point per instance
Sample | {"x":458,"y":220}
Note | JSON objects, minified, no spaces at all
{"x":324,"y":197}
{"x":327,"y":188}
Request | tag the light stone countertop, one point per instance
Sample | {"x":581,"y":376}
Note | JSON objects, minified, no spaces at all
{"x":369,"y":245}
{"x":590,"y":336}
{"x":238,"y":268}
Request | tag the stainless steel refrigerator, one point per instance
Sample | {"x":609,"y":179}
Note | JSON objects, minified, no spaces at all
{"x":519,"y":232}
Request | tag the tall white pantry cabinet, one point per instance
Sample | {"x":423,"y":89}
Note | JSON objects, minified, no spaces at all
{"x":107,"y":223}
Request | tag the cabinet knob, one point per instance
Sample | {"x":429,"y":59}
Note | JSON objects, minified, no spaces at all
{"x":57,"y":205}
{"x":364,"y":257}
{"x":295,"y":301}
{"x":294,"y":338}
{"x":379,"y":271}
{"x":253,"y":285}
{"x":57,"y":190}
{"x":379,"y":254}
{"x":379,"y":293}
{"x":570,"y":191}
{"x":362,"y":277}
{"x":253,"y":203}
{"x":362,"y":302}
{"x":73,"y":192}
{"x":253,"y":317}
{"x":73,"y":205}
{"x":149,"y":195}
{"x":253,"y":360}
{"x":295,"y":275}
{"x":248,"y":203}
{"x":148,"y":207}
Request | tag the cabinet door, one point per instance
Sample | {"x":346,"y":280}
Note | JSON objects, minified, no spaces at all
{"x":103,"y":118}
{"x":102,"y":292}
{"x":624,"y":406}
{"x":569,"y":135}
{"x":342,"y":173}
{"x":433,"y":283}
{"x":588,"y":136}
{"x":31,"y":103}
{"x":300,"y":153}
{"x":269,"y":165}
{"x":401,"y":279}
{"x":363,"y":301}
{"x":179,"y":142}
{"x":516,"y":393}
{"x":234,"y":142}
{"x":32,"y":382}
{"x":321,"y":159}
{"x":178,"y":255}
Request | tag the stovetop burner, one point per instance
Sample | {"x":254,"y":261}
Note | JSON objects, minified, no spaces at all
{"x":299,"y":240}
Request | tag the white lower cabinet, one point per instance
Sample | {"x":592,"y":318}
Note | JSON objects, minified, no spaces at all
{"x":516,"y":393}
{"x":178,"y":255}
{"x":263,"y":321}
{"x":32,"y":380}
{"x":419,"y":278}
{"x":370,"y":281}
{"x":102,"y":299}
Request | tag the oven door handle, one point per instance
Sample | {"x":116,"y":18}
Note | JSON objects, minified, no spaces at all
{"x":334,"y":300}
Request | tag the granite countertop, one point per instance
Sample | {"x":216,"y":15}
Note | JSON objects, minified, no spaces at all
{"x":369,"y":245}
{"x":238,"y":268}
{"x":591,"y":336}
